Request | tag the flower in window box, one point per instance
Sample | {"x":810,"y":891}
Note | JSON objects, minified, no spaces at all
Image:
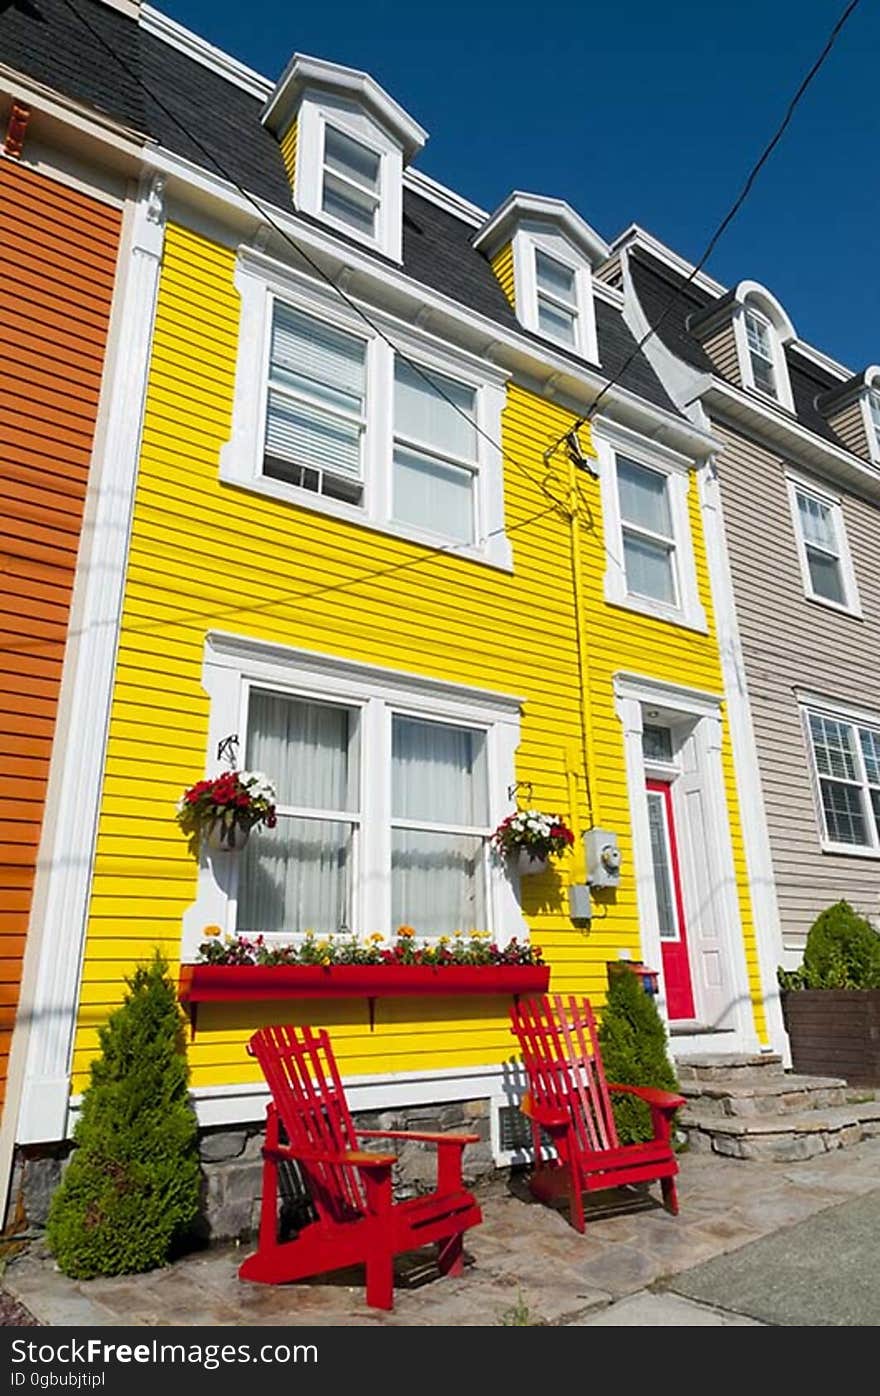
{"x":532,"y":837}
{"x":223,"y":810}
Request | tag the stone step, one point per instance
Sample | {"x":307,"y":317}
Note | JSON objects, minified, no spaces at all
{"x":782,"y":1137}
{"x":763,"y":1093}
{"x":719,"y":1066}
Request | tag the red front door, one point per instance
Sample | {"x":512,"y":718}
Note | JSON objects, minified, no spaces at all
{"x":670,"y":903}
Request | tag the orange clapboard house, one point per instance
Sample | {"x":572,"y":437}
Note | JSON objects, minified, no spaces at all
{"x":58,"y":251}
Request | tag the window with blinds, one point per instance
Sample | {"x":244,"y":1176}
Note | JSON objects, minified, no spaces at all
{"x":435,"y":453}
{"x":316,"y":410}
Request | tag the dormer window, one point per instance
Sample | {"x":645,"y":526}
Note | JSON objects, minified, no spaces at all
{"x":760,"y":342}
{"x":557,"y":298}
{"x":543,"y":255}
{"x":352,"y":181}
{"x":345,"y":143}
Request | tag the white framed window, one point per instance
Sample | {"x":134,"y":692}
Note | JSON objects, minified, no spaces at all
{"x":649,"y":550}
{"x":823,"y":551}
{"x":329,"y":416}
{"x":554,"y":290}
{"x":759,"y":337}
{"x":845,"y":763}
{"x":349,"y":172}
{"x":761,"y":330}
{"x":436,"y":458}
{"x":389,"y":787}
{"x":650,"y":564}
{"x":874,"y":415}
{"x":351,"y":181}
{"x":316,"y":406}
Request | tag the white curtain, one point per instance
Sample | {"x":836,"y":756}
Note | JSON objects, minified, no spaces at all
{"x":297,"y":877}
{"x":433,"y":495}
{"x":438,"y":876}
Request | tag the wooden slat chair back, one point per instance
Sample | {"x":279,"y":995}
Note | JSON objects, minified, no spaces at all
{"x":569,"y":1100}
{"x":357,"y":1220}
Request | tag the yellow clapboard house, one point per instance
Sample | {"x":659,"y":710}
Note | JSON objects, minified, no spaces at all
{"x":377,"y":552}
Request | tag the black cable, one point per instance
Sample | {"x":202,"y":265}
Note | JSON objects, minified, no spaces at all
{"x":723,"y":225}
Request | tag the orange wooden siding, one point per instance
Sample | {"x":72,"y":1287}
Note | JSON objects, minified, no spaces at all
{"x":57,"y":264}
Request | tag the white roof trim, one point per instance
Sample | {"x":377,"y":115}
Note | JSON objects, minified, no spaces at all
{"x":303,"y":71}
{"x":444,"y":197}
{"x":197,"y":48}
{"x":501,"y":225}
{"x":634,"y":235}
{"x":766,"y":302}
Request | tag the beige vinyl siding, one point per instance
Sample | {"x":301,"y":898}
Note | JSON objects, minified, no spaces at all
{"x":721,"y":348}
{"x":849,"y":424}
{"x":793,"y":645}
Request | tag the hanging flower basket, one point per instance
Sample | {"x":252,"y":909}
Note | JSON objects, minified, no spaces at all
{"x":530,"y":838}
{"x":221,"y":812}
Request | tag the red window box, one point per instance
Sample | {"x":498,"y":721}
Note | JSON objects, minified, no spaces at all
{"x":243,"y":983}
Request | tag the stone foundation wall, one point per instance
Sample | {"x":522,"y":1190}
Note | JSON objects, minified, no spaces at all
{"x":232,"y":1167}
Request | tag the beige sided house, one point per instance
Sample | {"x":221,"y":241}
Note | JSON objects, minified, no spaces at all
{"x":794,"y":508}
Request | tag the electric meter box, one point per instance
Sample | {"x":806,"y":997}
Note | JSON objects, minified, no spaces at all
{"x":602,"y":853}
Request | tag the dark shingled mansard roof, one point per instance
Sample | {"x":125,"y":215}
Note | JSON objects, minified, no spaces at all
{"x":45,"y":40}
{"x":656,"y":283}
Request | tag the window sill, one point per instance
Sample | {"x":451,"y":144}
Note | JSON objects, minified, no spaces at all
{"x":848,"y":850}
{"x":497,"y":555}
{"x":854,"y":612}
{"x":695,"y":620}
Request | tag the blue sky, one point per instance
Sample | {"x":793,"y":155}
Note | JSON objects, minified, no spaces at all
{"x":647,"y":112}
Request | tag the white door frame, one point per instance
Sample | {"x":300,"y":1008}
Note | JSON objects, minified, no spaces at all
{"x":633,"y":694}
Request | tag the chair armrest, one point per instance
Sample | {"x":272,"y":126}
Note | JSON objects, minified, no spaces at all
{"x":661,"y":1100}
{"x":543,"y":1114}
{"x":418,"y":1137}
{"x":359,"y":1158}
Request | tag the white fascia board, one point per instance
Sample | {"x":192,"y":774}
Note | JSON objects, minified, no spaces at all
{"x":303,"y":72}
{"x":785,"y":434}
{"x":502,"y":224}
{"x":391,"y":289}
{"x":198,"y":49}
{"x":51,"y":105}
{"x":444,"y":197}
{"x":635,"y":236}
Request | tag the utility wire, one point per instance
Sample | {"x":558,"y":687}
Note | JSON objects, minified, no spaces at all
{"x":722,"y":226}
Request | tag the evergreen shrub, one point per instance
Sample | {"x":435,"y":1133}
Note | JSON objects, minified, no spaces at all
{"x":633,"y":1042}
{"x":131,"y":1190}
{"x":842,"y":952}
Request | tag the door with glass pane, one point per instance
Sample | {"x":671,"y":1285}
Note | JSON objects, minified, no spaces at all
{"x":670,"y":902}
{"x":439,"y":827}
{"x":300,"y":875}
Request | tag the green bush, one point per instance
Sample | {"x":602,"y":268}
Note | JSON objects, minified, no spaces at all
{"x":131,"y":1189}
{"x":842,"y":952}
{"x":633,"y":1042}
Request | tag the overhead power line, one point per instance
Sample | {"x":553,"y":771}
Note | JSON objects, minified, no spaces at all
{"x":726,"y":220}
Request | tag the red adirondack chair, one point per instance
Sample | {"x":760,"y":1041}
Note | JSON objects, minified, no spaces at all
{"x":357,"y":1220}
{"x":569,"y":1100}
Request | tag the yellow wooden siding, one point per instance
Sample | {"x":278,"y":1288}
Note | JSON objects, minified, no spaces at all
{"x":288,"y":152}
{"x":205,"y":556}
{"x":502,"y":265}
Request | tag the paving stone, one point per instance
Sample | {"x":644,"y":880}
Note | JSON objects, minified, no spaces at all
{"x":664,"y":1311}
{"x":226,"y":1144}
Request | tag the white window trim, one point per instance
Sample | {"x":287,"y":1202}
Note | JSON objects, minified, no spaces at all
{"x":611,"y":441}
{"x":799,"y":483}
{"x":853,"y":717}
{"x":259,"y":280}
{"x":783,"y":396}
{"x":872,"y":431}
{"x":528,"y":240}
{"x":318,"y":111}
{"x":232,"y":663}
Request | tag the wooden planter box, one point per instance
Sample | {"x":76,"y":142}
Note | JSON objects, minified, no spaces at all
{"x":835,"y":1032}
{"x":248,"y":983}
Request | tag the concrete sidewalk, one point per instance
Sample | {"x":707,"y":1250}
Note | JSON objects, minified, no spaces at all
{"x":526,"y":1265}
